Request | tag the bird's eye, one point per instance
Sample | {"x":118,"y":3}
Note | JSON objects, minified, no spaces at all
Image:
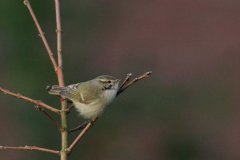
{"x":109,"y":81}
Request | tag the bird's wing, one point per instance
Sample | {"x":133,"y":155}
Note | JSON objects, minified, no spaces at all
{"x":74,"y":86}
{"x":69,"y":92}
{"x":88,"y":98}
{"x":57,"y":89}
{"x":74,"y":95}
{"x":89,"y":92}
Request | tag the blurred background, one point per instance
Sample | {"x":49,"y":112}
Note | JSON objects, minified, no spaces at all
{"x":187,"y":110}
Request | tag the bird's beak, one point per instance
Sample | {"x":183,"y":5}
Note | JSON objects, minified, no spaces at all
{"x":119,"y":80}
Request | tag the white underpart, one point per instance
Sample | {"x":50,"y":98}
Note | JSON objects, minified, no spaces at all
{"x":96,"y":108}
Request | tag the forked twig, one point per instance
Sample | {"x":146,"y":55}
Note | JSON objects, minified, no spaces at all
{"x":31,"y":148}
{"x":126,"y":80}
{"x":122,"y":88}
{"x":81,"y":134}
{"x":68,"y":110}
{"x":52,"y":119}
{"x":41,"y":34}
{"x":38,"y":102}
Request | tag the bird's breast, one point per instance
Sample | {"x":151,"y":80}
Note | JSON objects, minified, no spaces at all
{"x":109,"y":95}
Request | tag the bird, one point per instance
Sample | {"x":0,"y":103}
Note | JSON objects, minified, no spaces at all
{"x":90,"y":98}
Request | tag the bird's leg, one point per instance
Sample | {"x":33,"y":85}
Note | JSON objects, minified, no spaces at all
{"x":82,"y":126}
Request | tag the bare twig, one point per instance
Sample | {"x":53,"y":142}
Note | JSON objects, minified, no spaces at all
{"x":122,"y":88}
{"x":59,"y":44}
{"x":82,"y":126}
{"x":59,"y":34}
{"x":64,"y":134}
{"x":126,"y":80}
{"x":41,"y":34}
{"x":68,"y":110}
{"x":31,"y":148}
{"x":81,"y":134}
{"x":38,"y":102}
{"x":44,"y":112}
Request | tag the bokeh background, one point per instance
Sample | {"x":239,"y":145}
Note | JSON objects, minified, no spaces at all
{"x":187,"y":110}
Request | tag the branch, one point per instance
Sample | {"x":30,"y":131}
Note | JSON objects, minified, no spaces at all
{"x":126,"y":80}
{"x":122,"y":88}
{"x":44,"y":112}
{"x":82,"y":126}
{"x":59,"y":44}
{"x":31,"y":148}
{"x":81,"y":134}
{"x":68,"y":110}
{"x":38,"y":102}
{"x":41,"y":34}
{"x":64,"y":134}
{"x":59,"y":34}
{"x":58,"y":70}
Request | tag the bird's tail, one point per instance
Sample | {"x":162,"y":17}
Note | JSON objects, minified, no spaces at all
{"x":56,"y":90}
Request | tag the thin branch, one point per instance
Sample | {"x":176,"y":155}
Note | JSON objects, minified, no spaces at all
{"x":59,"y":44}
{"x":147,"y":74}
{"x":41,"y":34}
{"x":82,"y":126}
{"x":59,"y":34}
{"x":81,"y":134}
{"x":68,"y":110}
{"x":54,"y":121}
{"x":126,"y":80}
{"x":64,"y":134}
{"x":38,"y":102}
{"x":122,"y":88}
{"x":31,"y":148}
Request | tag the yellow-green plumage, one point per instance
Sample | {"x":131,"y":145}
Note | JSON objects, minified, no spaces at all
{"x":90,"y":98}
